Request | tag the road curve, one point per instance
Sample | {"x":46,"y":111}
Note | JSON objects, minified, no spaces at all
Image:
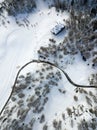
{"x":52,"y":64}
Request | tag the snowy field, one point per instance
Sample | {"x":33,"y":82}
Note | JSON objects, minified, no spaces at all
{"x":19,"y":44}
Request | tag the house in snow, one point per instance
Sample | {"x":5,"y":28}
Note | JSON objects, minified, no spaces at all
{"x":59,"y":27}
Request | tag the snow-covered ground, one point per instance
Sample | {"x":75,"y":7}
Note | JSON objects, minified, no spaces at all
{"x":1,"y":1}
{"x":19,"y":44}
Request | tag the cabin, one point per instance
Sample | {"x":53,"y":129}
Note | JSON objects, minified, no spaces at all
{"x":58,"y":28}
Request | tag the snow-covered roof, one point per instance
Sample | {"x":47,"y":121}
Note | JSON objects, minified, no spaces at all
{"x":58,"y":28}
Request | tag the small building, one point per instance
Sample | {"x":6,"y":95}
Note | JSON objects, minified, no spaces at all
{"x":59,"y":27}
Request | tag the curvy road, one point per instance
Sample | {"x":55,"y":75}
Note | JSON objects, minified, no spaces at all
{"x":46,"y":62}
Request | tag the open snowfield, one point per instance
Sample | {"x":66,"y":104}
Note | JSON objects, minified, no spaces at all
{"x":19,"y":44}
